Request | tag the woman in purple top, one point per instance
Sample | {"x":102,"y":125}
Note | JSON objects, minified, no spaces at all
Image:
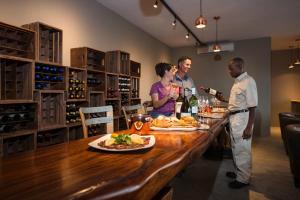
{"x":162,"y":93}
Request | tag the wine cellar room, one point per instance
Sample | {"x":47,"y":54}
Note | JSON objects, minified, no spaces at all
{"x":62,"y":55}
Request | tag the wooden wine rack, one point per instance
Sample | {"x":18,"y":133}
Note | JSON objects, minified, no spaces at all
{"x":48,"y":42}
{"x":32,"y":73}
{"x":16,"y":41}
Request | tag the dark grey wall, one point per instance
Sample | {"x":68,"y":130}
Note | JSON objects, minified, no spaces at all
{"x":285,"y":84}
{"x":257,"y":55}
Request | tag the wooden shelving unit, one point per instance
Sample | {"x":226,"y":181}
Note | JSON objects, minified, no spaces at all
{"x":48,"y":42}
{"x":16,"y":41}
{"x":49,"y":76}
{"x":40,"y":98}
{"x":16,"y":78}
{"x":88,"y":58}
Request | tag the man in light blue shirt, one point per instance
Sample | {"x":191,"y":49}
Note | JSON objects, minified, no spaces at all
{"x":181,"y":77}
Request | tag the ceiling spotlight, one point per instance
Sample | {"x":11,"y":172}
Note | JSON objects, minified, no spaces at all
{"x":174,"y":22}
{"x":187,"y":35}
{"x":155,"y":4}
{"x":200,"y":22}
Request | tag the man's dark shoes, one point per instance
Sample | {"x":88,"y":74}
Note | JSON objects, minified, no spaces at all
{"x":237,"y":185}
{"x":231,"y":175}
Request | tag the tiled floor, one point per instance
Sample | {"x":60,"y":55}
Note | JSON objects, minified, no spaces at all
{"x":271,"y":176}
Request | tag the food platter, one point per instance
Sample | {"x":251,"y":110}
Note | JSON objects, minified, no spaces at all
{"x":154,"y":128}
{"x":95,"y":144}
{"x":185,"y":129}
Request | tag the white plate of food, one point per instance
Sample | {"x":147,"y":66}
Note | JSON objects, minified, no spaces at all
{"x":123,"y":142}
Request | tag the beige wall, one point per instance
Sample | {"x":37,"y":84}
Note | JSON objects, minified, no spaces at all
{"x":285,"y":84}
{"x":257,"y":54}
{"x":88,"y":23}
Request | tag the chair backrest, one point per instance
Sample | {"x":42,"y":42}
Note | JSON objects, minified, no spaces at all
{"x":127,"y":110}
{"x":148,"y":106}
{"x":108,"y":119}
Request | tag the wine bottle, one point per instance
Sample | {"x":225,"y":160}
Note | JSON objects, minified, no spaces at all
{"x":178,"y":104}
{"x":215,"y":93}
{"x":185,"y":106}
{"x":71,"y":81}
{"x":193,"y":102}
{"x":4,"y":118}
{"x":38,"y":77}
{"x":72,"y":96}
{"x":6,"y":128}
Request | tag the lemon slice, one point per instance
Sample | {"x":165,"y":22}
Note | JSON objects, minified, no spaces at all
{"x":138,"y":125}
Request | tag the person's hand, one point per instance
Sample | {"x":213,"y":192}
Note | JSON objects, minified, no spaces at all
{"x":173,"y":93}
{"x":247,"y":133}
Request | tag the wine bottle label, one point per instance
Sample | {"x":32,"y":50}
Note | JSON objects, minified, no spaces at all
{"x":178,"y":106}
{"x":212,"y":91}
{"x":185,"y":114}
{"x":195,"y":109}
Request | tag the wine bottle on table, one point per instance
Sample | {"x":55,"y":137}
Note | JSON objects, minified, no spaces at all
{"x":178,"y":104}
{"x":193,"y":102}
{"x":185,"y":106}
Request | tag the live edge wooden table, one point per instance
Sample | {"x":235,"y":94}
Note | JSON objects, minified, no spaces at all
{"x":75,"y":171}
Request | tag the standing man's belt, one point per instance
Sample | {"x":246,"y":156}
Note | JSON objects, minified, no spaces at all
{"x":238,"y":111}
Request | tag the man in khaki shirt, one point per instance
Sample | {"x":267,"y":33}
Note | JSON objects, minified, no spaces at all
{"x":242,"y":103}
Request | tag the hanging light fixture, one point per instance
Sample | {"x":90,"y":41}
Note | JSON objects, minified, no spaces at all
{"x":216,"y":47}
{"x":200,"y":22}
{"x":291,"y":65}
{"x":298,"y":58}
{"x":155,"y":5}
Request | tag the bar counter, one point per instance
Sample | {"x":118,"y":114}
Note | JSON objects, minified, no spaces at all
{"x":75,"y":171}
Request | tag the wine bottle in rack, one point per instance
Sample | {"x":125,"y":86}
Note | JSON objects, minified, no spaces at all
{"x":6,"y":128}
{"x":4,"y":118}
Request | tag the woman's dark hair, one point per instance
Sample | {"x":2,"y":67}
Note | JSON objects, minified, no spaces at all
{"x":161,"y":68}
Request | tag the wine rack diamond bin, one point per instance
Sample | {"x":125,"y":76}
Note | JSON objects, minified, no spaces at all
{"x":50,"y":77}
{"x":118,"y":62}
{"x":135,"y":69}
{"x":16,"y":41}
{"x":49,"y":42}
{"x":77,"y":86}
{"x":88,"y":58}
{"x":52,"y":109}
{"x":16,"y":79}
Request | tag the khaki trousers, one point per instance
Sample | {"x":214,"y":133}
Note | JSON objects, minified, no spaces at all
{"x":241,"y":148}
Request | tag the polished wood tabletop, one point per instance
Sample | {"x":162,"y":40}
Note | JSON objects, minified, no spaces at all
{"x":75,"y":171}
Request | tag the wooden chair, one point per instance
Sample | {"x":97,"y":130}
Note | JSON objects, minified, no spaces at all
{"x":127,"y":110}
{"x":148,"y":106}
{"x":108,"y":119}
